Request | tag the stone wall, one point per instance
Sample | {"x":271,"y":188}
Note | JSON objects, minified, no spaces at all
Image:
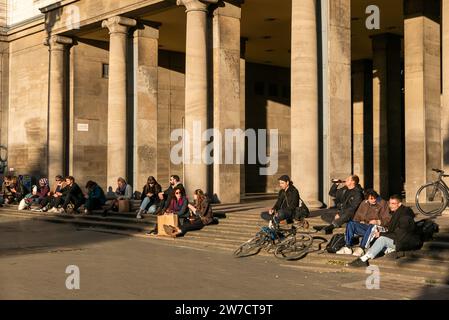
{"x":90,"y":110}
{"x":28,"y":105}
{"x":171,"y":94}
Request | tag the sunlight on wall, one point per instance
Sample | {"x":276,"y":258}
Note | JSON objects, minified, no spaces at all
{"x":21,"y":10}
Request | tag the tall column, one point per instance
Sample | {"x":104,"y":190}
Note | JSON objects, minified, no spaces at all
{"x":196,"y":94}
{"x":338,"y":109}
{"x":304,"y":101}
{"x":387,"y":115}
{"x":117,"y":146}
{"x":145,"y":103}
{"x":422,"y":93}
{"x":243,"y":105}
{"x":445,"y":60}
{"x":226,"y":51}
{"x":362,"y":128}
{"x":56,"y":158}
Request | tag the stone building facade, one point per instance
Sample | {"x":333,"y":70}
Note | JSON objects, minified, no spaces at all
{"x":95,"y":88}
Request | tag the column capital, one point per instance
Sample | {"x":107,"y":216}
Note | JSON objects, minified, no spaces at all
{"x":57,"y":42}
{"x":118,"y":24}
{"x":196,"y":5}
{"x":230,"y":9}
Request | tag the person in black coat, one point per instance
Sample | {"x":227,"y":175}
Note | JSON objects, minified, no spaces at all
{"x":400,"y":235}
{"x":288,"y":201}
{"x":74,"y":195}
{"x":347,"y":201}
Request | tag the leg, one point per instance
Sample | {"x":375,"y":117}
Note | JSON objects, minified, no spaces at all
{"x":344,"y":218}
{"x":152,"y":209}
{"x":144,"y":204}
{"x":354,"y":228}
{"x":283,"y":215}
{"x":78,"y":203}
{"x":381,"y":244}
{"x":366,"y":235}
{"x":266,"y":216}
{"x":196,"y":225}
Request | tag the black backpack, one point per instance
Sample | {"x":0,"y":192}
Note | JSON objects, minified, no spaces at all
{"x":301,"y":212}
{"x":425,"y":229}
{"x":336,"y":243}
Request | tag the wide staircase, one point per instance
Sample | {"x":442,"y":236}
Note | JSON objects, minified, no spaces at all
{"x":239,"y":222}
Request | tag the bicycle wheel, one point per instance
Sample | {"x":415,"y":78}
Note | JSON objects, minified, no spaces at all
{"x":251,"y":247}
{"x":431,"y":199}
{"x":294,"y":248}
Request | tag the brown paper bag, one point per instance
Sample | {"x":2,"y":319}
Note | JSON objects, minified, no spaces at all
{"x":123,"y":206}
{"x":167,"y":219}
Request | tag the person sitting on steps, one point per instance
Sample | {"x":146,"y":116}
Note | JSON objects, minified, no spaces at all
{"x":124,"y":191}
{"x":401,"y":235}
{"x":150,"y":197}
{"x":371,"y":212}
{"x":201,"y":215}
{"x":347,"y":200}
{"x":96,"y":198}
{"x":286,"y":204}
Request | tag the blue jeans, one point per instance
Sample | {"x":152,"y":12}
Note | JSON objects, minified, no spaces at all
{"x":380,"y":245}
{"x":354,"y":228}
{"x":280,"y":216}
{"x":145,"y":203}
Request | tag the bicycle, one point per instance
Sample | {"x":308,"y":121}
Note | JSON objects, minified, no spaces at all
{"x":292,"y":243}
{"x":432,"y":198}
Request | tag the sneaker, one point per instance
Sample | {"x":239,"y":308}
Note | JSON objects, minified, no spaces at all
{"x":344,"y":250}
{"x":329,"y":229}
{"x":358,"y":263}
{"x":358,"y":252}
{"x":389,"y":250}
{"x":139,"y":216}
{"x":53,"y":210}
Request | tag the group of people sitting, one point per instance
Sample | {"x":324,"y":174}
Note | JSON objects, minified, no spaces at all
{"x":67,"y":197}
{"x":382,"y":226}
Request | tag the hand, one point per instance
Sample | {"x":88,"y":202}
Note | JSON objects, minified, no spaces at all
{"x":377,"y":234}
{"x":376,"y":222}
{"x":271,"y":211}
{"x":149,"y":194}
{"x":161,"y":195}
{"x":337,"y":216}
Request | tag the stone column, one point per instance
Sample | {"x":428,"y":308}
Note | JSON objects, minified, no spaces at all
{"x":196,"y":94}
{"x":304,"y":101}
{"x":227,"y":104}
{"x":445,"y":60}
{"x":362,"y":129}
{"x":57,"y":99}
{"x":387,"y":115}
{"x":117,"y":146}
{"x":145,"y":103}
{"x":422,"y":93}
{"x":243,"y":106}
{"x":338,"y":111}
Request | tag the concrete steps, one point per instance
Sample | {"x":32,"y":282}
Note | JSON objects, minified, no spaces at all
{"x":239,"y":222}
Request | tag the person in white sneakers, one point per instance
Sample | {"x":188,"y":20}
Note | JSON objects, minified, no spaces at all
{"x":401,"y":235}
{"x":371,"y":212}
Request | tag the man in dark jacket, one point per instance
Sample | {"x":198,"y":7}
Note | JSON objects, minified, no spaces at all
{"x":288,"y":201}
{"x":400,"y":235}
{"x":347,"y":201}
{"x":74,"y":195}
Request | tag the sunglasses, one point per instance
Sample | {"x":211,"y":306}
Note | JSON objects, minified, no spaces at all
{"x":178,"y":192}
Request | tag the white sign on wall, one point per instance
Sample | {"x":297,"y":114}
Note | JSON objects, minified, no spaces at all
{"x":83,"y":127}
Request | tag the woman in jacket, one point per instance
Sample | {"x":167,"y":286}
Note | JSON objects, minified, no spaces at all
{"x":38,"y":196}
{"x":150,"y":198}
{"x":124,"y":191}
{"x":178,"y":204}
{"x":14,"y":191}
{"x":200,"y":215}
